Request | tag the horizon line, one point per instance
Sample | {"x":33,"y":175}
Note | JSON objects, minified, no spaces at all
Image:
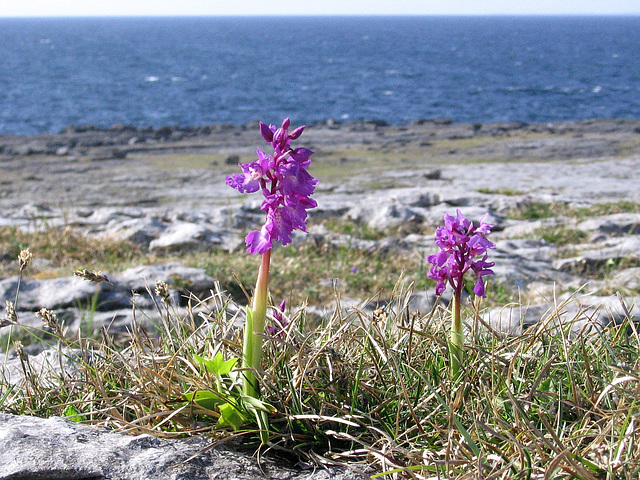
{"x":308,"y":15}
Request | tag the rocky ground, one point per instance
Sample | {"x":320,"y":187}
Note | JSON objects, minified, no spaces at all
{"x":58,"y":449}
{"x":164,"y":189}
{"x":544,"y":186}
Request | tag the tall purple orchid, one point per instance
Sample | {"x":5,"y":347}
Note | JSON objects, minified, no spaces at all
{"x":285,"y":183}
{"x":463,"y":247}
{"x":287,"y":186}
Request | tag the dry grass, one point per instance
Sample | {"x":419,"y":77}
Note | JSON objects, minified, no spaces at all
{"x":370,"y":389}
{"x":64,"y":249}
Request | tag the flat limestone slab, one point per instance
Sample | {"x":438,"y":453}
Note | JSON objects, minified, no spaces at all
{"x":59,"y":449}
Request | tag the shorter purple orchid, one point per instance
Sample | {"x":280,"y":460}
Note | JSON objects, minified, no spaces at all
{"x":285,"y":183}
{"x":280,"y":322}
{"x":460,"y":244}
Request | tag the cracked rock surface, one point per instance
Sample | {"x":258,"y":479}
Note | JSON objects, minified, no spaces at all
{"x":58,"y":449}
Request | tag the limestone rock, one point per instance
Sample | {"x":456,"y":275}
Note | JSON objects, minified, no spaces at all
{"x":73,"y":292}
{"x":628,"y":278}
{"x":139,"y":231}
{"x":185,"y":235}
{"x":513,"y":321}
{"x":576,"y":315}
{"x":618,"y":224}
{"x":58,"y":449}
{"x":595,"y":259}
{"x":52,"y":293}
{"x":387,"y":216}
{"x":137,"y":278}
{"x":435,"y":215}
{"x":520,"y":263}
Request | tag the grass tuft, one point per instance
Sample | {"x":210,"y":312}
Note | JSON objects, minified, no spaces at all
{"x":64,"y":248}
{"x":370,"y":388}
{"x":535,"y":210}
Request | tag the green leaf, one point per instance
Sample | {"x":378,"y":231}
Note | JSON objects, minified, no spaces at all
{"x":259,"y":409}
{"x":231,"y":416}
{"x":591,"y":466}
{"x":545,"y":385}
{"x":254,"y":403}
{"x":73,"y":412}
{"x":261,"y":419}
{"x":472,"y":445}
{"x":205,"y":398}
{"x":217,"y":365}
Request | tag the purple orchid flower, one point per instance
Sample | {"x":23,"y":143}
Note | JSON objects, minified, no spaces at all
{"x":285,"y":183}
{"x":460,"y":244}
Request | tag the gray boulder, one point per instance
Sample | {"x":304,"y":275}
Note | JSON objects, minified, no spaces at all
{"x":572,"y":319}
{"x":513,"y":321}
{"x":576,"y":315}
{"x":74,"y":292}
{"x":615,"y":225}
{"x":52,"y":293}
{"x":185,"y":235}
{"x":137,"y":281}
{"x":59,"y":449}
{"x":139,"y":231}
{"x":594,"y":259}
{"x":521,"y":263}
{"x":628,"y":278}
{"x":386,"y":216}
{"x":137,"y":278}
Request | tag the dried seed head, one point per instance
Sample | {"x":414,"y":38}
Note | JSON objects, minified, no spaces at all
{"x":49,"y":318}
{"x":22,"y":355}
{"x":379,"y":315}
{"x":24,"y":258}
{"x":92,"y":276}
{"x":162,"y":290}
{"x":10,"y":310}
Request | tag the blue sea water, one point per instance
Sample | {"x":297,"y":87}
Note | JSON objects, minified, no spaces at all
{"x":195,"y":71}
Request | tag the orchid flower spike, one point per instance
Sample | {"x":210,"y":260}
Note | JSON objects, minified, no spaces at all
{"x":461,"y":243}
{"x":285,"y":183}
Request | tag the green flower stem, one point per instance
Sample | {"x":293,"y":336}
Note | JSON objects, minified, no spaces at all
{"x":254,"y":330}
{"x":457,"y":335}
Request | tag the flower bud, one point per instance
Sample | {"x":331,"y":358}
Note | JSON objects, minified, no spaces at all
{"x":297,"y":132}
{"x":266,"y":132}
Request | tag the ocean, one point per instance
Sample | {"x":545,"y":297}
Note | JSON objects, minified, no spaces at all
{"x":196,"y":71}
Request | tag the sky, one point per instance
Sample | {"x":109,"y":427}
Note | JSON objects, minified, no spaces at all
{"x":46,"y":8}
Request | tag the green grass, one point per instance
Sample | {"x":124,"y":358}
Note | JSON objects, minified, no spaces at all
{"x":65,"y":249}
{"x":370,"y":388}
{"x":501,"y":191}
{"x":353,"y":229}
{"x":560,"y":235}
{"x":535,"y":210}
{"x":373,"y":389}
{"x":315,"y":273}
{"x":303,"y":272}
